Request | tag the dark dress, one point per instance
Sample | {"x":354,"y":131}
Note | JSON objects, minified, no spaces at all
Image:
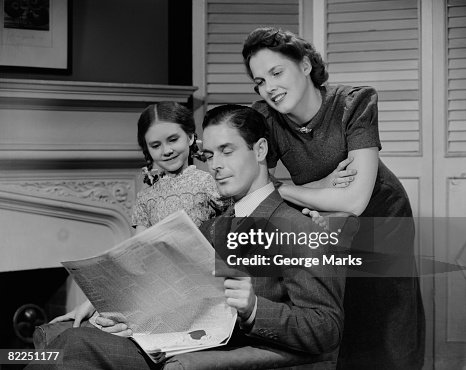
{"x":384,"y":316}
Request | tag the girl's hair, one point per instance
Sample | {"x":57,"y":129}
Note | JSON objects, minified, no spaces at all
{"x":169,"y":112}
{"x":288,"y":44}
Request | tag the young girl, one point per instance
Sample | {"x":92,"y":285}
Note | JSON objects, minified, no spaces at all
{"x":167,"y":138}
{"x":166,"y":135}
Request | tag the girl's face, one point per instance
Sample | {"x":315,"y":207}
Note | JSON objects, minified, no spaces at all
{"x":168,"y":146}
{"x":280,"y":81}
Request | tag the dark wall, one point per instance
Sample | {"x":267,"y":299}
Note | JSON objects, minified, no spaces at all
{"x":180,"y":42}
{"x":121,"y":41}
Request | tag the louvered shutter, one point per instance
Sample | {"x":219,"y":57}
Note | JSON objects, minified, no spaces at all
{"x":456,"y":21}
{"x":228,"y":24}
{"x":376,"y":43}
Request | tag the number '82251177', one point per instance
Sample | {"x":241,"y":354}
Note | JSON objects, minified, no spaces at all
{"x":24,"y":356}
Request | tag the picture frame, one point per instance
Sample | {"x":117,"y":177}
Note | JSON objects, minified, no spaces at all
{"x":34,"y":35}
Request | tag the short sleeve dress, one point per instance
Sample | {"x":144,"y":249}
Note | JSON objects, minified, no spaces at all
{"x":384,"y":316}
{"x":193,"y":190}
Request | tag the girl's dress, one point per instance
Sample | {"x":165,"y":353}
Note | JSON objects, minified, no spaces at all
{"x":384,"y":317}
{"x":192,"y":190}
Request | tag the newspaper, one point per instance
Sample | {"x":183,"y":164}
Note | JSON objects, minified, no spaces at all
{"x":161,"y":281}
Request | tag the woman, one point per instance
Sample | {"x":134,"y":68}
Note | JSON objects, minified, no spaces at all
{"x":313,"y":128}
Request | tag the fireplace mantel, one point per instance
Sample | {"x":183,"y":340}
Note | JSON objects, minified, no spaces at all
{"x":57,"y":124}
{"x":69,"y":166}
{"x":50,"y":94}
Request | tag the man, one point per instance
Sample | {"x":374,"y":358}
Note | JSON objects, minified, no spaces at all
{"x":291,"y":319}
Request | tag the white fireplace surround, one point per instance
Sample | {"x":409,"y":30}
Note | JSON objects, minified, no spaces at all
{"x":69,"y":167}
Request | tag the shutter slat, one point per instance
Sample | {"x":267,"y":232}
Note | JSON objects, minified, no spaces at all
{"x":458,"y":125}
{"x":239,"y":18}
{"x":456,"y":63}
{"x":457,"y":94}
{"x":373,"y":5}
{"x":226,"y":68}
{"x":228,"y":24}
{"x":373,"y":66}
{"x":397,"y":95}
{"x":398,"y":126}
{"x":456,"y":22}
{"x":399,"y":136}
{"x":376,"y":76}
{"x":373,"y":45}
{"x":228,"y":78}
{"x":457,"y":33}
{"x":373,"y":36}
{"x":399,"y":115}
{"x":241,"y":98}
{"x":398,"y":105}
{"x":457,"y":11}
{"x":377,"y":15}
{"x":385,"y":85}
{"x":457,"y":136}
{"x":246,"y":28}
{"x":457,"y":105}
{"x":373,"y":26}
{"x":373,"y":56}
{"x":252,"y":8}
{"x":232,"y":88}
{"x":376,"y":43}
{"x":457,"y":147}
{"x":258,"y":2}
{"x":456,"y":115}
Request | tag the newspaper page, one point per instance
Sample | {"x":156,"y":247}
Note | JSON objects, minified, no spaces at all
{"x":161,"y":281}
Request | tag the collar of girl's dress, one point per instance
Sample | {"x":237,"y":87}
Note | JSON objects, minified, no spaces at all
{"x":164,"y":176}
{"x":154,"y":175}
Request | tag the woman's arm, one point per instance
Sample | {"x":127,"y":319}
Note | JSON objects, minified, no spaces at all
{"x":352,"y":199}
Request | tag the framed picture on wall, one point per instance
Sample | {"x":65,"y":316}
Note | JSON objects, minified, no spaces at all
{"x":34,"y":34}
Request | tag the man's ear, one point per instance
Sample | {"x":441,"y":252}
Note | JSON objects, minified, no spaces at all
{"x":192,"y":137}
{"x":306,"y":65}
{"x":261,"y":148}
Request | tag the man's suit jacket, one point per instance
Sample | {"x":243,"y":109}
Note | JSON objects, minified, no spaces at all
{"x":301,"y":309}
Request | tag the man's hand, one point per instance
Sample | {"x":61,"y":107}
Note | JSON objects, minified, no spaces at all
{"x":240,"y":295}
{"x":317,"y":218}
{"x":80,"y":313}
{"x":114,"y":323}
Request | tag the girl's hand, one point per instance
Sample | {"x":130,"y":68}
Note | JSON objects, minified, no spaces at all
{"x":80,"y":313}
{"x":340,"y":177}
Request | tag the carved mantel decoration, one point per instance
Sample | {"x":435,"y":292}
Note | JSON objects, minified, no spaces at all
{"x":117,"y":192}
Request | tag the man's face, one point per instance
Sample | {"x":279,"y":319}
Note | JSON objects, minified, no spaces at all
{"x":234,"y":166}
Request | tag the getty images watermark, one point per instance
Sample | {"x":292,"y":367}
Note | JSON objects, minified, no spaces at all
{"x":266,"y":239}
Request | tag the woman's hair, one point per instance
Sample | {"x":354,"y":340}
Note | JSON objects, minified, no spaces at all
{"x":250,"y":124}
{"x":169,"y":112}
{"x":288,"y":44}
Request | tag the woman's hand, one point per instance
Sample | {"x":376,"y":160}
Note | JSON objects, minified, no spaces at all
{"x":80,"y":313}
{"x":341,"y":177}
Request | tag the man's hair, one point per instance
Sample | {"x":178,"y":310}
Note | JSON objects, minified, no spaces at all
{"x":250,"y":123}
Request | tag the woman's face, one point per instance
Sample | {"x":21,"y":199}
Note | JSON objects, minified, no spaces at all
{"x":168,"y":146}
{"x":281,"y":82}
